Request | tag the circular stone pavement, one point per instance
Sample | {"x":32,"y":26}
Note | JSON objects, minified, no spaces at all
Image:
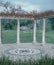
{"x":23,"y":53}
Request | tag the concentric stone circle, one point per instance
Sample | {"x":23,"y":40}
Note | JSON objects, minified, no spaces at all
{"x":23,"y":51}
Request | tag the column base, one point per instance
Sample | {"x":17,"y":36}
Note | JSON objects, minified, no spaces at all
{"x":34,"y":42}
{"x":0,"y":42}
{"x":18,"y":43}
{"x":43,"y":43}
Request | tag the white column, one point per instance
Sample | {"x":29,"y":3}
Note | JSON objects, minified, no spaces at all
{"x":34,"y":37}
{"x":43,"y":35}
{"x":18,"y":31}
{"x":0,"y":30}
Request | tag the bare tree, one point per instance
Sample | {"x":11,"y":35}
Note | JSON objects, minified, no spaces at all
{"x":9,"y":8}
{"x":5,"y":5}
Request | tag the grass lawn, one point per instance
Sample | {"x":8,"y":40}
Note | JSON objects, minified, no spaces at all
{"x":10,"y":36}
{"x":39,"y":36}
{"x":43,"y":61}
{"x":26,"y":36}
{"x":50,"y":37}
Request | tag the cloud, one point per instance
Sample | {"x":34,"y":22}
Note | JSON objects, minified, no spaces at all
{"x":39,"y":5}
{"x":32,"y":7}
{"x":27,"y":5}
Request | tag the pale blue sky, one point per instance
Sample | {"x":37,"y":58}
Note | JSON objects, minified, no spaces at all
{"x":39,"y":5}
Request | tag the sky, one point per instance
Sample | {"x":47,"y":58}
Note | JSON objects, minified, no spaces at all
{"x":29,"y":5}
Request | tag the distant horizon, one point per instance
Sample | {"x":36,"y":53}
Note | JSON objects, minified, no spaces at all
{"x":29,"y":5}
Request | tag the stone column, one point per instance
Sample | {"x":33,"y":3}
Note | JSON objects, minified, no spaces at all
{"x":0,"y":30}
{"x":34,"y":37}
{"x":18,"y":31}
{"x":43,"y":35}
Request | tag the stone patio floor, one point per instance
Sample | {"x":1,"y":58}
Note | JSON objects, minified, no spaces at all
{"x":47,"y":49}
